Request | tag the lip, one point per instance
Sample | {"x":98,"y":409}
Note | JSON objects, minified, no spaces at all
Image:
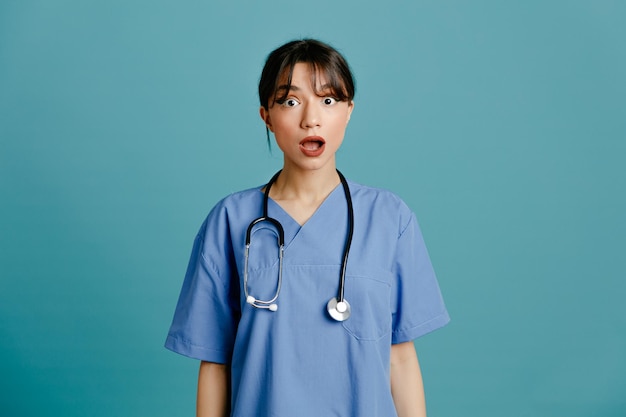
{"x":312,"y":145}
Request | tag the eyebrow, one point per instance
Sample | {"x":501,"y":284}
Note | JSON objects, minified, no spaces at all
{"x":286,"y":87}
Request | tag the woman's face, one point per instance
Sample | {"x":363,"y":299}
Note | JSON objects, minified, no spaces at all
{"x":309,"y":124}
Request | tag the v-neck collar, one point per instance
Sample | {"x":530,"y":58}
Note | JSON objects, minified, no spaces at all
{"x":290,"y":225}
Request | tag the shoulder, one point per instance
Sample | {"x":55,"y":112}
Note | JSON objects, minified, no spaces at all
{"x":222,"y":226}
{"x":380,"y":202}
{"x":379,"y":195}
{"x":238,"y":200}
{"x":238,"y":205}
{"x":240,"y":197}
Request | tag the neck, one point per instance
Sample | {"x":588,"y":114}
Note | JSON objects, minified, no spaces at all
{"x":309,"y":185}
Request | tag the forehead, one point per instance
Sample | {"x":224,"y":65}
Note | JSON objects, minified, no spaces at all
{"x":300,"y":72}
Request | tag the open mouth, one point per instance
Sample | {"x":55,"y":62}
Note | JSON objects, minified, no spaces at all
{"x":312,"y":145}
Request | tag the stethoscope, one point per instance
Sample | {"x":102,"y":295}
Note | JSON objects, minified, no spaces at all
{"x":338,"y":307}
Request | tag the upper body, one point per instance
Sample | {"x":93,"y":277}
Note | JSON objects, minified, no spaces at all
{"x":298,"y":360}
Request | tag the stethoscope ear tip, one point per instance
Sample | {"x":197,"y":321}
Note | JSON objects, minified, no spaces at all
{"x":261,"y":304}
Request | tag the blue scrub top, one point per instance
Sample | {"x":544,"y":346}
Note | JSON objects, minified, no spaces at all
{"x":298,"y":361}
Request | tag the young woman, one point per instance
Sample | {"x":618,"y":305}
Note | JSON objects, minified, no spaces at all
{"x":303,"y":296}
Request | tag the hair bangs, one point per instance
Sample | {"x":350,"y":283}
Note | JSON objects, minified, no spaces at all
{"x":332,"y":81}
{"x":324,"y":61}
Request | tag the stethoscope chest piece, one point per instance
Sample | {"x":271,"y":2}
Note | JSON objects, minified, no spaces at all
{"x":338,"y":310}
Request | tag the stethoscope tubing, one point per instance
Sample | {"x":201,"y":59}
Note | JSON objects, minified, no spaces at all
{"x":338,"y":307}
{"x":346,"y":249}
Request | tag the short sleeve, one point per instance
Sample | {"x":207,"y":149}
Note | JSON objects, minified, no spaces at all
{"x":416,"y":298}
{"x":206,"y":315}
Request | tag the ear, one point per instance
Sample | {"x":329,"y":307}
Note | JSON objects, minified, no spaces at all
{"x":350,"y":108}
{"x":265,"y":115}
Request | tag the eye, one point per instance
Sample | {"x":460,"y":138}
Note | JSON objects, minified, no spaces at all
{"x":290,"y":102}
{"x":329,"y":101}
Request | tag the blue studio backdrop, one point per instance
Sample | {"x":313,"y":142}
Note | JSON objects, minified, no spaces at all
{"x":502,"y":125}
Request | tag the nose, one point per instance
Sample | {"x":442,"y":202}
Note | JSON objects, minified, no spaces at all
{"x":311,"y":116}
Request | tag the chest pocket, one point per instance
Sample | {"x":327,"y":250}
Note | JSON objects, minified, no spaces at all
{"x":370,"y":303}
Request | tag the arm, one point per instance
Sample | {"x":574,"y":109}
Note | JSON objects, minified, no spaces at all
{"x":213,"y":390}
{"x":407,"y":388}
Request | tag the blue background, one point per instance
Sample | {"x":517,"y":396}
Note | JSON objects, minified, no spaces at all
{"x":502,"y":124}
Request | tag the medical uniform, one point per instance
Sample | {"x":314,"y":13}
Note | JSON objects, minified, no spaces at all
{"x":298,"y":361}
